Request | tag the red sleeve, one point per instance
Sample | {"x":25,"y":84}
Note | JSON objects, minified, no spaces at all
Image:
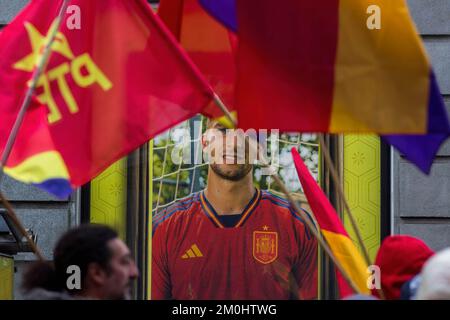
{"x":161,"y":288}
{"x":305,"y":270}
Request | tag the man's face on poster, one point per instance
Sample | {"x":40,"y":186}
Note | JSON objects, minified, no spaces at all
{"x":230,"y":152}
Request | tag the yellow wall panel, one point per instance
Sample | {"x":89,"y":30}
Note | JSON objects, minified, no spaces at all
{"x":362,"y":174}
{"x":108,"y":197}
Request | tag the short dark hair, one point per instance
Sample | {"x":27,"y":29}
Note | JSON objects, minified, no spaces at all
{"x":79,"y":246}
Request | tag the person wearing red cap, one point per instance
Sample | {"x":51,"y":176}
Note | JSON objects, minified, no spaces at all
{"x":400,"y":258}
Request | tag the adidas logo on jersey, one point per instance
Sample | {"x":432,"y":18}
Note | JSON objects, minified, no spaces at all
{"x":193,"y":252}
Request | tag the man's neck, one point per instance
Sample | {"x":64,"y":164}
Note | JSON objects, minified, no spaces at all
{"x":229,"y":197}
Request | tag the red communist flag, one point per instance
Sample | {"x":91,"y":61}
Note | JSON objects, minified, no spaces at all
{"x":112,"y":82}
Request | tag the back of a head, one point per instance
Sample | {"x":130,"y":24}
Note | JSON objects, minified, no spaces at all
{"x":400,"y":258}
{"x":79,"y":247}
{"x":435,"y":284}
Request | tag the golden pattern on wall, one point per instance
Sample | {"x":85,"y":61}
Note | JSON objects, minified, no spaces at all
{"x":362,"y":187}
{"x":108,"y":197}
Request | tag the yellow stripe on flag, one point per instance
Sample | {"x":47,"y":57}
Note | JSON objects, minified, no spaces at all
{"x":381,"y":75}
{"x":38,"y":168}
{"x":350,"y":258}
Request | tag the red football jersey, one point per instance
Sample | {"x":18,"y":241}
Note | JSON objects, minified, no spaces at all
{"x":269,"y":253}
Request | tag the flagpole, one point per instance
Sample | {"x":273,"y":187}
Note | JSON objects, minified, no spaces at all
{"x":12,"y":215}
{"x":41,"y":64}
{"x":225,"y":110}
{"x":309,"y":223}
{"x":341,"y":195}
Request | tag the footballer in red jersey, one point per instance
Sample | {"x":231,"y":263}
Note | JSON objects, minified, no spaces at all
{"x":232,"y":241}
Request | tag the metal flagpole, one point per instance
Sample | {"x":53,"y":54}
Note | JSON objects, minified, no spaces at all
{"x":40,"y":66}
{"x":225,"y":110}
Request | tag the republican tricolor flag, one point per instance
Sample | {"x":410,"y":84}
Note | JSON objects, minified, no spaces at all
{"x":324,"y":66}
{"x":109,"y":87}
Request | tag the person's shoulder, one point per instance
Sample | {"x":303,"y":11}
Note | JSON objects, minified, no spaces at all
{"x":179,"y":208}
{"x":284,"y":209}
{"x":43,"y":294}
{"x":275,"y":199}
{"x":280,"y":204}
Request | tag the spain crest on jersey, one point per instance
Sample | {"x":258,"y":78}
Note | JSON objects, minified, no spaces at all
{"x":265,"y":246}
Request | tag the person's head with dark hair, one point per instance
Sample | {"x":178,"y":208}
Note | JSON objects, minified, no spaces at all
{"x":104,"y":263}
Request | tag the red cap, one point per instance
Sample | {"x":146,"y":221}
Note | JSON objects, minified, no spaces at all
{"x":400,"y":258}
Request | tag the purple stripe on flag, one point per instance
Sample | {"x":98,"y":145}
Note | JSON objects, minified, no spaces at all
{"x":60,"y":188}
{"x":422,"y":149}
{"x":223,"y":10}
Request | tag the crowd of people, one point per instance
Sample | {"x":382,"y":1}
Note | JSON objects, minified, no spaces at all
{"x":410,"y":270}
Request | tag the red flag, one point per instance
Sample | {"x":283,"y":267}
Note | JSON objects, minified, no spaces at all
{"x":333,"y":231}
{"x":109,"y":87}
{"x":210,"y":45}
